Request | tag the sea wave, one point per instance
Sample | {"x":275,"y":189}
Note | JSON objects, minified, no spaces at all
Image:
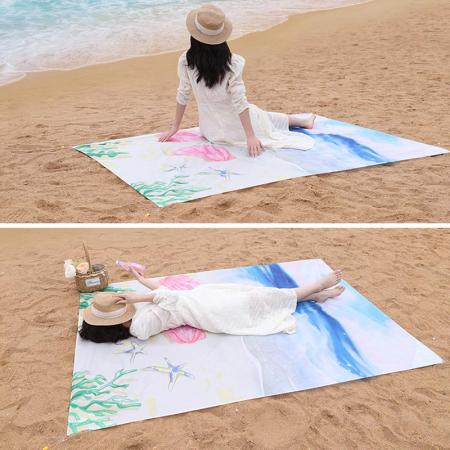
{"x":39,"y":35}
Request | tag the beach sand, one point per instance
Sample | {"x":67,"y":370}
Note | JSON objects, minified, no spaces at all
{"x":403,"y":272}
{"x":383,"y":65}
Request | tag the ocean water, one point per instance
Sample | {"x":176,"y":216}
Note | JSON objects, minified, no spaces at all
{"x":38,"y":35}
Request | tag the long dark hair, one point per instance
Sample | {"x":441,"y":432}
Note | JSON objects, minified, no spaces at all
{"x":211,"y":61}
{"x":101,"y":334}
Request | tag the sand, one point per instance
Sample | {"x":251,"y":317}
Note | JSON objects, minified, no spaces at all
{"x":403,"y":272}
{"x":383,"y":65}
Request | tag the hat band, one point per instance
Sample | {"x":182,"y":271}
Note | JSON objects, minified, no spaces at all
{"x":109,"y":314}
{"x":207,"y":31}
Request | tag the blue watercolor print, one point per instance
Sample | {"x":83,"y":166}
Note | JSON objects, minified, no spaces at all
{"x":271,"y":275}
{"x":344,"y":349}
{"x":332,"y":152}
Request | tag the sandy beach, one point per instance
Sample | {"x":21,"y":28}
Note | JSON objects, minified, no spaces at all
{"x":382,"y":65}
{"x":403,"y":272}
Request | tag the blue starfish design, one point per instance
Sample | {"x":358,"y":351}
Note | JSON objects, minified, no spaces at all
{"x":174,"y":372}
{"x":133,"y":349}
{"x":224,"y":173}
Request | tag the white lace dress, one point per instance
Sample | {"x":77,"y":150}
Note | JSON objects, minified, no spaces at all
{"x":219,"y":108}
{"x":218,"y":308}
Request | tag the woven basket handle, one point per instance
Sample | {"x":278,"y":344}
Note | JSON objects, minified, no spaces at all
{"x":88,"y":258}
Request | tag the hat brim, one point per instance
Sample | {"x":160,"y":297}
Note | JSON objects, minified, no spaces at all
{"x":206,"y":38}
{"x":89,"y":318}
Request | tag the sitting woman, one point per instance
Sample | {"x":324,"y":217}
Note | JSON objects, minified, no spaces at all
{"x":214,"y":74}
{"x":238,"y":309}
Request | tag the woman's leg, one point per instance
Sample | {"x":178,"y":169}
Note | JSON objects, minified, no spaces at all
{"x":302,"y":120}
{"x":305,"y":292}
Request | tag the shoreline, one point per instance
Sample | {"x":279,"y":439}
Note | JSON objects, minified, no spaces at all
{"x":378,"y":65}
{"x":176,"y":50}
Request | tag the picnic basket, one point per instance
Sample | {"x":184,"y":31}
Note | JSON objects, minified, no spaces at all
{"x":96,"y":277}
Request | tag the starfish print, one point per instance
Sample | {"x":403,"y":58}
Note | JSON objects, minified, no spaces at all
{"x":224,"y":173}
{"x":178,"y":169}
{"x":133,"y":350}
{"x":174,"y":372}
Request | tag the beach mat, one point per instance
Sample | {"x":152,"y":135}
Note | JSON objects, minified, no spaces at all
{"x":186,"y":369}
{"x":188,"y":167}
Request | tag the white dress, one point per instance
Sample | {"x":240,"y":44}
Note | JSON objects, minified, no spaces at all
{"x":238,"y":309}
{"x":219,"y":108}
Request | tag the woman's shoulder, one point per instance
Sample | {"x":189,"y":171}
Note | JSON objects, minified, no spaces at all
{"x":237,"y":63}
{"x":183,"y":58}
{"x":237,"y":59}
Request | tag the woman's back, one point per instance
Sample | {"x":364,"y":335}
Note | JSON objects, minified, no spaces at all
{"x":218,"y":106}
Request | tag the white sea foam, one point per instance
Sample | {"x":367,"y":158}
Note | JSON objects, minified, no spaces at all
{"x":38,"y":35}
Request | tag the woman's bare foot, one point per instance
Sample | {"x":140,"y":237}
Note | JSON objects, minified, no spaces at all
{"x":326,"y":294}
{"x":302,"y":122}
{"x":304,"y":292}
{"x":309,"y":123}
{"x":330,"y":280}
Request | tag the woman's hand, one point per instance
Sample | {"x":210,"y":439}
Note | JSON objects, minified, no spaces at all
{"x":128,"y":297}
{"x":167,"y":135}
{"x":254,"y":146}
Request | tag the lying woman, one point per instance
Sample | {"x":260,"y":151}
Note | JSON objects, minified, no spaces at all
{"x":238,"y":309}
{"x":214,"y":74}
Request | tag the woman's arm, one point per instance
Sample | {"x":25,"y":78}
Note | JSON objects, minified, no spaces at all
{"x":132,"y":297}
{"x":240,"y":104}
{"x":179,"y":113}
{"x":147,"y":282}
{"x":183,"y":95}
{"x":254,"y":145}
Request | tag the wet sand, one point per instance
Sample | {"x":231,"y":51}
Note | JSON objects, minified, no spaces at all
{"x":403,"y":272}
{"x":382,"y":65}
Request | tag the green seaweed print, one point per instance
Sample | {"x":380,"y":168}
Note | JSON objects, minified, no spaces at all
{"x":86,"y":299}
{"x":95,"y":399}
{"x":163,"y":194}
{"x":102,"y":149}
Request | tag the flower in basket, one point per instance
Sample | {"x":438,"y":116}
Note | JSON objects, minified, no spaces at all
{"x":83,"y":268}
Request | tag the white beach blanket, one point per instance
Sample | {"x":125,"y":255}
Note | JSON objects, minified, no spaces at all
{"x":185,"y":369}
{"x":188,"y":167}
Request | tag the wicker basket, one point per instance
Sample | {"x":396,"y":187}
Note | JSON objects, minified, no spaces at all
{"x":95,"y":280}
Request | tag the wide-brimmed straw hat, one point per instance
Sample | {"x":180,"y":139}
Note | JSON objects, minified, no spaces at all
{"x":104,"y":310}
{"x":208,"y":24}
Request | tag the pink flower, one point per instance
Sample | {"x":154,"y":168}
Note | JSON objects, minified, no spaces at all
{"x":186,"y":136}
{"x":185,"y":335}
{"x":179,"y":282}
{"x":207,"y":152}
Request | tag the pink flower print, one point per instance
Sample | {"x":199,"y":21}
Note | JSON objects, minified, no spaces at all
{"x":185,"y":335}
{"x":186,"y":136}
{"x":179,"y":282}
{"x":207,"y":152}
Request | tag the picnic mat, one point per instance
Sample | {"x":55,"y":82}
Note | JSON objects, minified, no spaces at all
{"x":188,"y":167}
{"x":186,"y":369}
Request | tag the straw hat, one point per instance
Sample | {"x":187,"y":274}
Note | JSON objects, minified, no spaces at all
{"x":105,"y":311}
{"x":208,"y":24}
